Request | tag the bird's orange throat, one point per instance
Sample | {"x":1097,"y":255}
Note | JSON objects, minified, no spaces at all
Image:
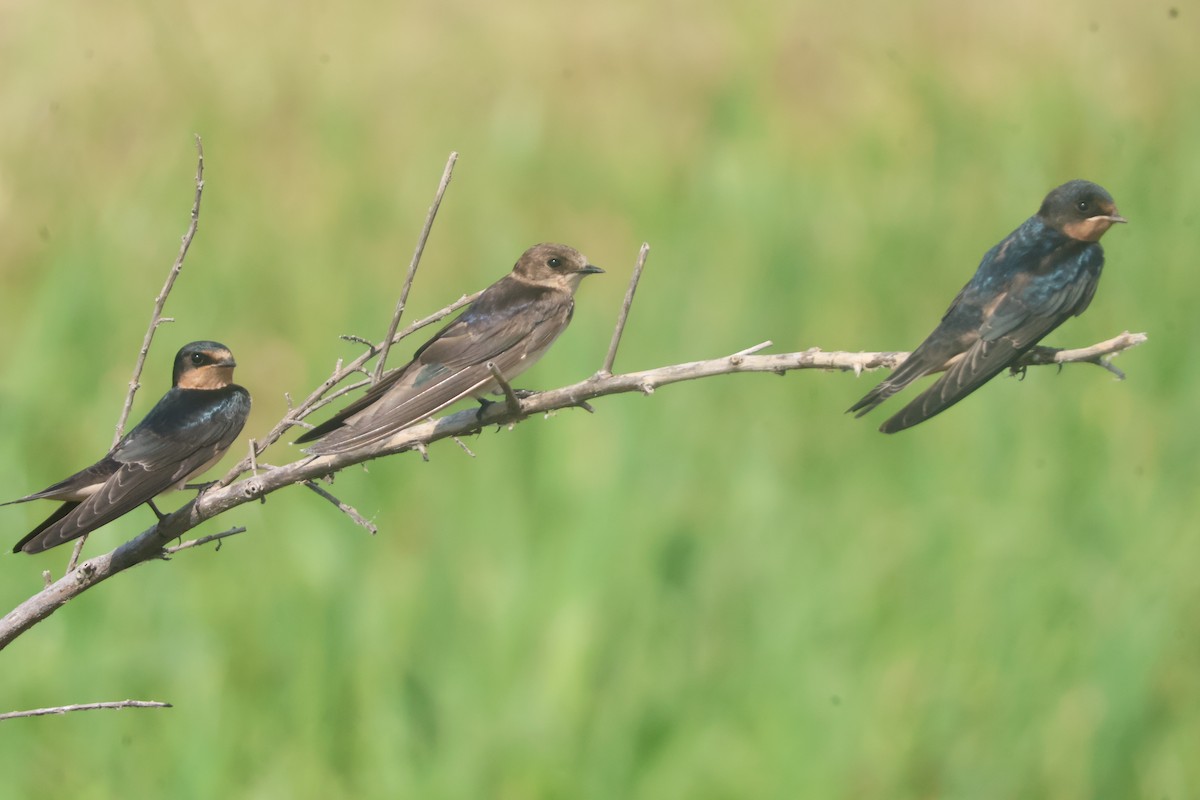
{"x":1090,"y":229}
{"x":213,"y":376}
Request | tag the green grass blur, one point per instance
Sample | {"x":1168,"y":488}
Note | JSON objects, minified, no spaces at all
{"x":727,"y":590}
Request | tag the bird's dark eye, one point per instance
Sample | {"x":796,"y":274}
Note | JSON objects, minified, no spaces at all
{"x":1084,"y":205}
{"x":197,"y":359}
{"x":554,"y":263}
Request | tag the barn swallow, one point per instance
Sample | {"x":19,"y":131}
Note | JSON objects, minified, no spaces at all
{"x":1026,"y":286}
{"x":186,"y":432}
{"x":511,"y":325}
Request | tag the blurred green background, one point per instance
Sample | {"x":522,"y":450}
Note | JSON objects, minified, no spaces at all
{"x":729,"y":589}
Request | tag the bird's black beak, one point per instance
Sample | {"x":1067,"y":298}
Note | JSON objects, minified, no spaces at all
{"x":1110,"y":213}
{"x":591,"y":269}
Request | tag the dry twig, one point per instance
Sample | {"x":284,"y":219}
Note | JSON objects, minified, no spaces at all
{"x":510,"y":397}
{"x":203,"y":540}
{"x":412,"y":267}
{"x":622,"y":317}
{"x":42,"y":712}
{"x":347,"y":509}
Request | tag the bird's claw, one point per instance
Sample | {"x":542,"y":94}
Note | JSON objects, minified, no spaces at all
{"x":481,"y":412}
{"x":161,"y":516}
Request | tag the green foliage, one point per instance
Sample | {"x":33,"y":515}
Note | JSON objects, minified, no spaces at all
{"x":726,"y":590}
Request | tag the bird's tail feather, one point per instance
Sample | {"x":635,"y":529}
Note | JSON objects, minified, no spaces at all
{"x":325,"y":427}
{"x":979,"y":366}
{"x":909,"y":370}
{"x":39,"y":539}
{"x":873,"y":398}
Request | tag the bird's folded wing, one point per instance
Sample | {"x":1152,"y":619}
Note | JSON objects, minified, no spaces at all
{"x":449,"y":370}
{"x":1015,"y":325}
{"x":147,"y":464}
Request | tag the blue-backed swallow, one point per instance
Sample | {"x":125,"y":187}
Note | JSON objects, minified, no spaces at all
{"x":1026,"y":286}
{"x":511,"y":325}
{"x":186,"y":432}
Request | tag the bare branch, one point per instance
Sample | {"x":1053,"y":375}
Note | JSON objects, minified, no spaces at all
{"x":221,"y":498}
{"x":624,"y":315}
{"x":42,"y":712}
{"x":1096,"y":354}
{"x":345,"y":508}
{"x":412,"y":267}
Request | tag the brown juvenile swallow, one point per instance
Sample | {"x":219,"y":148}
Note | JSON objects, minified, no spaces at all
{"x":510,"y":325}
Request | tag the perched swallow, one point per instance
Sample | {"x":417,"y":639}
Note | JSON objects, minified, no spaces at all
{"x":1026,"y":286}
{"x":185,"y":433}
{"x":511,"y":325}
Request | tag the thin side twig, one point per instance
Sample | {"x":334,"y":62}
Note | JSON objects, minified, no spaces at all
{"x":347,"y":509}
{"x":412,"y":267}
{"x":736,"y":358}
{"x":510,"y":397}
{"x":203,"y":540}
{"x":624,"y":315}
{"x":340,"y":392}
{"x":42,"y":712}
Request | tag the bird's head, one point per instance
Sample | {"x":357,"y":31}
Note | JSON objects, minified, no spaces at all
{"x":1081,"y":210}
{"x":554,"y":265}
{"x":203,"y":365}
